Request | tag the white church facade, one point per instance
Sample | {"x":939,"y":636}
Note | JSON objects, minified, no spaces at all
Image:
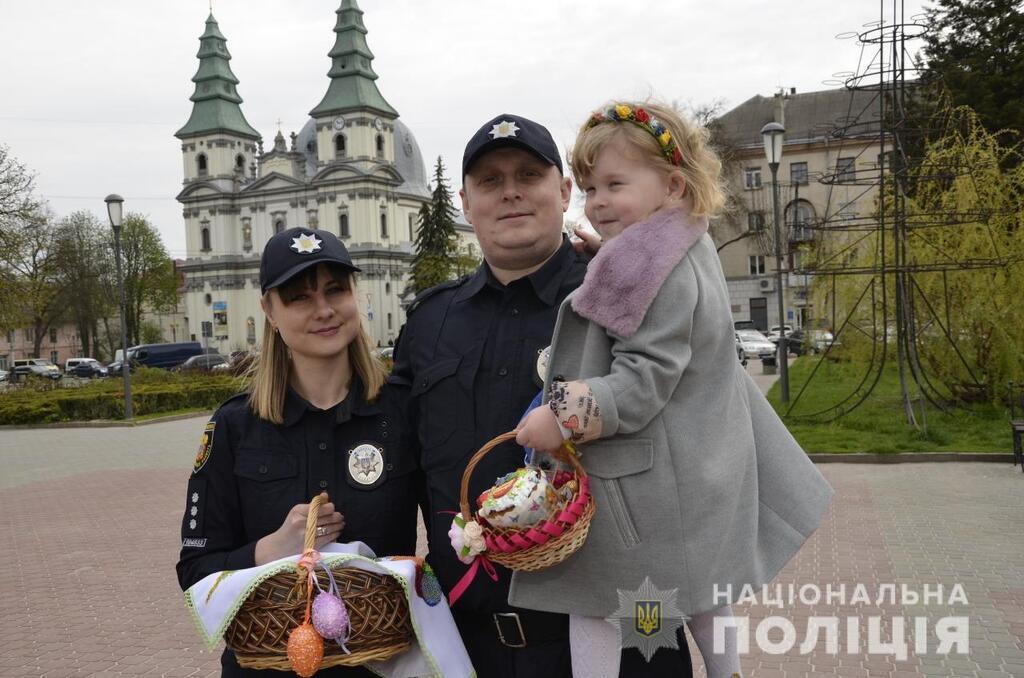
{"x":354,"y":169}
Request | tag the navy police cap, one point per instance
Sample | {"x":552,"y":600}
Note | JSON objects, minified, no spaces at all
{"x":292,"y":251}
{"x":515,"y":131}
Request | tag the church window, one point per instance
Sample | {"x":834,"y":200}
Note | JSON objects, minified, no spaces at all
{"x":343,"y":225}
{"x":246,"y":235}
{"x":380,"y":145}
{"x":204,"y":236}
{"x":339,"y":146}
{"x":383,"y":225}
{"x":201,"y":164}
{"x":239,"y":164}
{"x":412,"y":227}
{"x":387,"y":288}
{"x":278,"y":225}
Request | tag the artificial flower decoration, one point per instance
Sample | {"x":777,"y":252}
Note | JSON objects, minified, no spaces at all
{"x":640,"y":118}
{"x":467,"y":539}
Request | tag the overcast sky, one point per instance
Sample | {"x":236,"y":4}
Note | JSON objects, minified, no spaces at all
{"x":91,"y":93}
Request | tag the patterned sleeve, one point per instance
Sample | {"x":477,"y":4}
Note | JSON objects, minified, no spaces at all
{"x":576,"y":409}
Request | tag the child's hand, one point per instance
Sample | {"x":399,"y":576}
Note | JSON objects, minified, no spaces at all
{"x":589,"y":243}
{"x":540,"y":431}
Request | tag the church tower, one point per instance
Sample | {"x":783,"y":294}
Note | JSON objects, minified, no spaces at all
{"x":353,"y":120}
{"x":218,"y":144}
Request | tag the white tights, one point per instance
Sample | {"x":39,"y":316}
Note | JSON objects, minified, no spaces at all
{"x":596,"y":645}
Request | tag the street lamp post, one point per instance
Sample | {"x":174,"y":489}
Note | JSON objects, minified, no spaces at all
{"x":772,"y":134}
{"x":114,"y":203}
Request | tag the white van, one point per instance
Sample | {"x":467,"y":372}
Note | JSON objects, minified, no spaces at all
{"x":71,"y":363}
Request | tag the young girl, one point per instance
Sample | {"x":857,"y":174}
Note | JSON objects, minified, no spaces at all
{"x":318,"y":418}
{"x":698,"y":484}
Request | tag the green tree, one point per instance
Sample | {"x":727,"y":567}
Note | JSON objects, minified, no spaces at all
{"x":976,"y":51}
{"x":31,"y":283}
{"x":150,"y":279}
{"x":436,"y":243}
{"x":966,"y":222}
{"x":17,"y":200}
{"x":85,"y":259}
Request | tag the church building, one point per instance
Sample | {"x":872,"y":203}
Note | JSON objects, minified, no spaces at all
{"x":354,"y":169}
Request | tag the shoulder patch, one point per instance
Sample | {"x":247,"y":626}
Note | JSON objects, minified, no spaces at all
{"x":205,"y":447}
{"x":431,"y":291}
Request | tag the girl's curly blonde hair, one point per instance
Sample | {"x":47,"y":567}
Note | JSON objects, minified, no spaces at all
{"x":700,"y":165}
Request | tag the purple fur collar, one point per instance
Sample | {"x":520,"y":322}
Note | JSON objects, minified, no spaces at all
{"x":624,"y":277}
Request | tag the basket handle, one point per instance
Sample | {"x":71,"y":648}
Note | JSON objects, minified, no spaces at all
{"x":572,"y":457}
{"x":314,"y":511}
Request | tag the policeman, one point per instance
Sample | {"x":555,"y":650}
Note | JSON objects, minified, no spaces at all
{"x":468,"y":354}
{"x":315,"y":420}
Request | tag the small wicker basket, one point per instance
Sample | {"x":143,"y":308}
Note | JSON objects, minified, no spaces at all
{"x":377,"y":608}
{"x":540,"y":546}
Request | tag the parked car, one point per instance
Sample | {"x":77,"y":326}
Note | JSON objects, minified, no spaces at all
{"x":740,"y":354}
{"x":88,"y":369}
{"x":3,"y":375}
{"x":773,"y":333}
{"x":386,"y":353}
{"x":796,"y":341}
{"x":164,"y":355}
{"x":204,"y":361}
{"x":821,"y":340}
{"x":34,"y":367}
{"x":114,"y":368}
{"x":71,"y":363}
{"x":753,"y":343}
{"x":744,"y":325}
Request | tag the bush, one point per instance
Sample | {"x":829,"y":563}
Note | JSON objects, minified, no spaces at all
{"x":156,"y":391}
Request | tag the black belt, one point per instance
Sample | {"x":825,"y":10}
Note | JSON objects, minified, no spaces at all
{"x":518,"y":628}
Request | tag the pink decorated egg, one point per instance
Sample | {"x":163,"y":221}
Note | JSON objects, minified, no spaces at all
{"x":330,"y":617}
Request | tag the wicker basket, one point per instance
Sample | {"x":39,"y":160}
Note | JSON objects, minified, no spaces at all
{"x":377,"y":608}
{"x":540,"y":546}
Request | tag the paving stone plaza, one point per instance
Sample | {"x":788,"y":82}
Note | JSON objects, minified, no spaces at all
{"x":90,"y":521}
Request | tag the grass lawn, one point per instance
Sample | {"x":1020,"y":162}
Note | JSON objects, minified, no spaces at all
{"x":879,"y":424}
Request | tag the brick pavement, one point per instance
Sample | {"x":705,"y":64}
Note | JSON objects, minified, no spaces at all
{"x":90,"y":518}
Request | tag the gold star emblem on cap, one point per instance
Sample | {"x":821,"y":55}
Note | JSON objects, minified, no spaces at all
{"x":503,"y":129}
{"x":307,"y":243}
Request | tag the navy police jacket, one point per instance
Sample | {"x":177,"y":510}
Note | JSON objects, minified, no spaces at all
{"x":468,"y":355}
{"x":249,"y":473}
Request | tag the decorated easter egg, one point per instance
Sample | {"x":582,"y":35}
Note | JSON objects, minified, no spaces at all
{"x":305,"y":650}
{"x":330,"y":616}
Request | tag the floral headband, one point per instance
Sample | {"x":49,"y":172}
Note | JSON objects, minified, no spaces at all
{"x":644,"y":120}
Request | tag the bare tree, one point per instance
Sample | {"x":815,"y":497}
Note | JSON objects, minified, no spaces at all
{"x":16,"y":183}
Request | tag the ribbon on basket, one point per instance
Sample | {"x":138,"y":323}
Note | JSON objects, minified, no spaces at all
{"x":467,"y":578}
{"x":305,"y":645}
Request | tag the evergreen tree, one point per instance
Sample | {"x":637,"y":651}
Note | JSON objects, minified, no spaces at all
{"x":436,"y":243}
{"x":975,"y":49}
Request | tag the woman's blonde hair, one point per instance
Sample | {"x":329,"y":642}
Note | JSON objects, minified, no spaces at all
{"x":270,"y":372}
{"x":700,"y":165}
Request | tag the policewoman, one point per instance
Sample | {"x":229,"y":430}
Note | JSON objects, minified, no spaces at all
{"x":316,"y":419}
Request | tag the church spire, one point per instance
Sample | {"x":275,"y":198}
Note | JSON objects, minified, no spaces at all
{"x":352,"y":77}
{"x":216,"y":102}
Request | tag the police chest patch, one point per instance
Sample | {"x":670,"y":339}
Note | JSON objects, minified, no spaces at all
{"x":365,"y":464}
{"x":205,"y":447}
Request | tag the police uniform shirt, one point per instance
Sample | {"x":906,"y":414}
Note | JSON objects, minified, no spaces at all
{"x":468,"y":354}
{"x":250,"y":472}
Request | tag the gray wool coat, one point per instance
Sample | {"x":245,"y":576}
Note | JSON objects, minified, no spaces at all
{"x":696,"y":480}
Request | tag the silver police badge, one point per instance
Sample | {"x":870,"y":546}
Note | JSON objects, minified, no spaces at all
{"x":365,"y":464}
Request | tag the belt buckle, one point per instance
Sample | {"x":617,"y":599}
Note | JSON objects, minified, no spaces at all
{"x":521,"y":641}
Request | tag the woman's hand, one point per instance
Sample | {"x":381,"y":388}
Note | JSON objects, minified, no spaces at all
{"x":540,"y":431}
{"x":289,"y":538}
{"x":589,"y":243}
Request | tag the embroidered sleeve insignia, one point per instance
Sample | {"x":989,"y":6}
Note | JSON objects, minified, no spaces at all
{"x":205,"y":447}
